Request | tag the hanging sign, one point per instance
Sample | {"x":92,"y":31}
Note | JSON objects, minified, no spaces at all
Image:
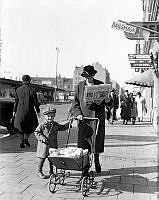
{"x":124,"y":27}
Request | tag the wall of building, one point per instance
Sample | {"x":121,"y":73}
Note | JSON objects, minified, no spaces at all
{"x":62,"y":82}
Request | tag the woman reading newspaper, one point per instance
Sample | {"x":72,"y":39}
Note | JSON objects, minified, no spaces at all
{"x":81,"y":109}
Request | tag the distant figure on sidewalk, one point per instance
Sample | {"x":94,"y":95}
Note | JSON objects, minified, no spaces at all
{"x":126,"y":105}
{"x":46,"y":134}
{"x":141,"y":106}
{"x":115,"y":104}
{"x":26,"y":103}
{"x":134,"y":110}
{"x":110,"y":107}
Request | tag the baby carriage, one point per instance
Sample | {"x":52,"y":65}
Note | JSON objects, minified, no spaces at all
{"x":81,"y":162}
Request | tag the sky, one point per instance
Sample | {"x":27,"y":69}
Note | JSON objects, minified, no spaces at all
{"x":32,"y":29}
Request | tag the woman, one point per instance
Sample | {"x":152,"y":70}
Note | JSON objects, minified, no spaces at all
{"x":24,"y":111}
{"x":126,"y":105}
{"x":141,"y":106}
{"x":81,"y":109}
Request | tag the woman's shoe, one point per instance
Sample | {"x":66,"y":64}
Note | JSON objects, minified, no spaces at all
{"x":26,"y":142}
{"x":22,"y":144}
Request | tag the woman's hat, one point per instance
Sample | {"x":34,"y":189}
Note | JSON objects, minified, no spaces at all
{"x":26,"y":78}
{"x":88,"y":71}
{"x":49,"y":110}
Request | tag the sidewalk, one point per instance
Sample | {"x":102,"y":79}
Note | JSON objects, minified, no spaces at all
{"x":129,"y":168}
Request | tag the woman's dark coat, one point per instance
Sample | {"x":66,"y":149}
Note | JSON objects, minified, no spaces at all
{"x":126,"y":105}
{"x":86,"y":127}
{"x":25,"y":104}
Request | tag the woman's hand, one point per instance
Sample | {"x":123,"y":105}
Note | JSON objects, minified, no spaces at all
{"x":80,"y":117}
{"x":45,"y":140}
{"x":38,"y":115}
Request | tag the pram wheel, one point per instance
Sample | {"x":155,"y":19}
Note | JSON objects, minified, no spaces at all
{"x":91,"y":178}
{"x":85,"y":185}
{"x":52,"y":183}
{"x":61,"y":177}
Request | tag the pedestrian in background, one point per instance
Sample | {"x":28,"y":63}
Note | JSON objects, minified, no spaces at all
{"x":115,"y":104}
{"x":141,"y":106}
{"x":133,"y":110}
{"x":46,"y":134}
{"x":26,"y":109}
{"x":126,"y":105}
{"x":86,"y":128}
{"x":110,"y":107}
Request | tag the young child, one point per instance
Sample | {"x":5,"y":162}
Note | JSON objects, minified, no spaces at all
{"x":46,"y":134}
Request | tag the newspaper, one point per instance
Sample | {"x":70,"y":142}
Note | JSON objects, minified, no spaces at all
{"x":97,"y":93}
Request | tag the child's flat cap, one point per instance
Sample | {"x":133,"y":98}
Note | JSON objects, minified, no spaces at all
{"x":49,"y":110}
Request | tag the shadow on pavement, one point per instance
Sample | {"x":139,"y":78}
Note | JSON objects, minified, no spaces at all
{"x":130,"y":180}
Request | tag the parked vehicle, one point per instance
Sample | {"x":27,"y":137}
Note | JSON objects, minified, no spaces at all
{"x":6,"y":113}
{"x":41,"y":98}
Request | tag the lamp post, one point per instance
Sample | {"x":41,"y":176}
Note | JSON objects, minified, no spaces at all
{"x":56,"y":85}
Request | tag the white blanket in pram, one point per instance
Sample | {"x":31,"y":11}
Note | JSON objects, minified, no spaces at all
{"x":71,"y":152}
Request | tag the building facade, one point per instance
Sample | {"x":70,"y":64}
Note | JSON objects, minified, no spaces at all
{"x":62,"y":82}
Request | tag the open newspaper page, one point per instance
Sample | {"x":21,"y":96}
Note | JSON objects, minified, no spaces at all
{"x":97,"y":93}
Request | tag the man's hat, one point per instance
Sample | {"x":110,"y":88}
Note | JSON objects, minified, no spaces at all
{"x":49,"y":110}
{"x":88,"y":71}
{"x":26,"y":78}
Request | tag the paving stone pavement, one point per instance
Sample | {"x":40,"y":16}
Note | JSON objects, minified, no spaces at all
{"x":129,"y":167}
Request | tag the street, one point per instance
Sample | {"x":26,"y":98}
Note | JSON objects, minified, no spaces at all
{"x":129,"y":166}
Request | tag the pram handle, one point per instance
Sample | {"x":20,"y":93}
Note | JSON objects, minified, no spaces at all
{"x":84,"y":118}
{"x":90,"y":118}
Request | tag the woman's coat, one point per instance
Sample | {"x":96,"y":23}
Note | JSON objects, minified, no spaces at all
{"x":26,"y":103}
{"x":126,"y":105}
{"x":86,"y":128}
{"x":140,"y":106}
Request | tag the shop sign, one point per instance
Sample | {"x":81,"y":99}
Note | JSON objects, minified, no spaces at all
{"x":153,"y":25}
{"x":139,"y":57}
{"x":141,"y":65}
{"x":124,"y":27}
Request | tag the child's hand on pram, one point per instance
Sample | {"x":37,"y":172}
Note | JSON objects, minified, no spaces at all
{"x":79,"y":117}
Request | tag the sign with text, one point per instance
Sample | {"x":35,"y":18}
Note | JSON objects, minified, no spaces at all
{"x":124,"y":27}
{"x":141,"y":65}
{"x":153,"y":25}
{"x":139,"y":57}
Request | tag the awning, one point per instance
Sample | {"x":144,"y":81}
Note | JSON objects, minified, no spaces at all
{"x":145,"y":79}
